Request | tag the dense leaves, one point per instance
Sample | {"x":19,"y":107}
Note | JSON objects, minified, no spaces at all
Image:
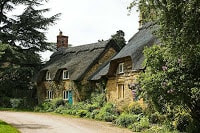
{"x":27,"y":29}
{"x":22,"y":36}
{"x":17,"y":68}
{"x":119,"y":38}
{"x":172,"y":72}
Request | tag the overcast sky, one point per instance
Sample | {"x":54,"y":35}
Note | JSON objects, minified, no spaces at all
{"x":87,"y":21}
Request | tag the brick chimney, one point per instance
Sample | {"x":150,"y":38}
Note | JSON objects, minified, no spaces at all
{"x":62,"y":41}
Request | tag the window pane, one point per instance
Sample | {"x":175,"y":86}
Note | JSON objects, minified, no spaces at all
{"x":65,"y":74}
{"x":120,"y":91}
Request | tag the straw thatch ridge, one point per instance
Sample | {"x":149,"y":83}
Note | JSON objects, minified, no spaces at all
{"x":77,"y":60}
{"x":133,"y":49}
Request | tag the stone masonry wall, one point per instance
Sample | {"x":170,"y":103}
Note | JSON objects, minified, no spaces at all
{"x":128,"y":77}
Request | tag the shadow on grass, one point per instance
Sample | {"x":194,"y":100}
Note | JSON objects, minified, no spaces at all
{"x":3,"y":123}
{"x":30,"y":126}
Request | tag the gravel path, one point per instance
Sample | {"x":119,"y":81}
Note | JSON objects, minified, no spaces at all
{"x":28,"y":122}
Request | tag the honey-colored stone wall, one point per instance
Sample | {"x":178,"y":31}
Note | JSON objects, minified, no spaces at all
{"x":128,"y":77}
{"x":79,"y":91}
{"x":106,"y":56}
{"x":57,"y":89}
{"x":86,"y":87}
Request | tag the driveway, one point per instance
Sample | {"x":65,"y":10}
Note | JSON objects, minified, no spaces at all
{"x":28,"y":122}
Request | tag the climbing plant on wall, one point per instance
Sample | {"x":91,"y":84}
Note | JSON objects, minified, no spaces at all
{"x":172,"y":69}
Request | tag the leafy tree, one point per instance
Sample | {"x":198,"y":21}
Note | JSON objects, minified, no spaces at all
{"x":119,"y":38}
{"x":26,"y":29}
{"x":22,"y":37}
{"x":172,"y":69}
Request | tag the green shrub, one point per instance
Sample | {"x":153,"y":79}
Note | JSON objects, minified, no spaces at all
{"x":144,"y":122}
{"x":157,"y":118}
{"x":182,"y":120}
{"x":88,"y":115}
{"x":91,"y":107}
{"x":98,"y":100}
{"x":66,"y":111}
{"x":159,"y":129}
{"x":15,"y":103}
{"x":107,"y":113}
{"x":59,"y":109}
{"x":141,"y":125}
{"x":73,"y":112}
{"x":94,"y":113}
{"x":44,"y":107}
{"x":5,"y":102}
{"x":125,"y":120}
{"x":79,"y":105}
{"x":57,"y":102}
{"x":68,"y":106}
{"x":37,"y":109}
{"x":81,"y":113}
{"x":135,"y":108}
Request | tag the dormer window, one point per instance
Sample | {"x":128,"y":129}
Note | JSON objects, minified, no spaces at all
{"x":121,"y":68}
{"x":48,"y":75}
{"x":65,"y":74}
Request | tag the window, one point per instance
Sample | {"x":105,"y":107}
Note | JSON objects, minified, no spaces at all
{"x":49,"y":94}
{"x":120,"y":91}
{"x":65,"y":74}
{"x":65,"y":95}
{"x":48,"y":75}
{"x":121,"y":68}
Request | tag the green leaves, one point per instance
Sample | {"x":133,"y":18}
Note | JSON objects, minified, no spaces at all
{"x":27,"y":29}
{"x":172,"y":71}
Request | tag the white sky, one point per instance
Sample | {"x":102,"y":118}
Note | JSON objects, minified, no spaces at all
{"x":87,"y":21}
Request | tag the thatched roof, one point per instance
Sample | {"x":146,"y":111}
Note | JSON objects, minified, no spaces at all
{"x":133,"y":49}
{"x":77,"y":60}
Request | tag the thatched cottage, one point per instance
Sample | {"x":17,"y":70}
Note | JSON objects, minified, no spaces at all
{"x":122,"y":71}
{"x":67,"y":72}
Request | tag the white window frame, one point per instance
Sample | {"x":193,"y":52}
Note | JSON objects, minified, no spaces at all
{"x":50,"y":94}
{"x":48,"y":75}
{"x":65,"y":72}
{"x":121,"y":68}
{"x":65,"y":95}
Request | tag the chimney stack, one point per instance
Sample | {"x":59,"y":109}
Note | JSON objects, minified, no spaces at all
{"x":62,"y":41}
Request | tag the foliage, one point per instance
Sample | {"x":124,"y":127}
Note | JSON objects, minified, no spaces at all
{"x":58,"y":102}
{"x":15,"y":103}
{"x":6,"y":128}
{"x":5,"y":102}
{"x":82,"y":113}
{"x":94,"y":113}
{"x":141,"y":125}
{"x":182,"y":119}
{"x":119,"y":38}
{"x":157,"y":118}
{"x":22,"y":36}
{"x":125,"y":119}
{"x":107,"y":113}
{"x":172,"y":69}
{"x":135,"y":108}
{"x":159,"y":129}
{"x":98,"y":99}
{"x":25,"y":29}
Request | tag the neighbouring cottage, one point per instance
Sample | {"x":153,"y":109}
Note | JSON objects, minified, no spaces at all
{"x":67,"y":72}
{"x":122,"y":71}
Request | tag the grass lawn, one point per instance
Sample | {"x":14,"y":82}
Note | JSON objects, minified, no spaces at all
{"x":6,"y":128}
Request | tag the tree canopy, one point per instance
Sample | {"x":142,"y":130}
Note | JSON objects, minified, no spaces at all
{"x":119,"y":38}
{"x":172,"y":74}
{"x":22,"y":36}
{"x":27,"y":29}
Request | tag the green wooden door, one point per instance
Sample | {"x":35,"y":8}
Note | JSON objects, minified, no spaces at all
{"x":70,"y":97}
